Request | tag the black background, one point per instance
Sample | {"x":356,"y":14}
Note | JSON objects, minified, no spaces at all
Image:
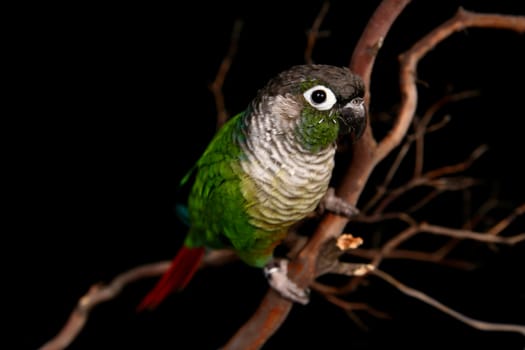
{"x":111,"y":106}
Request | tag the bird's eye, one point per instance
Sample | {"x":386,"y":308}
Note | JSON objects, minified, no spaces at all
{"x":320,"y":97}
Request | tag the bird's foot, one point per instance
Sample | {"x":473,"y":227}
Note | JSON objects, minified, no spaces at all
{"x":337,"y":205}
{"x":276,"y":272}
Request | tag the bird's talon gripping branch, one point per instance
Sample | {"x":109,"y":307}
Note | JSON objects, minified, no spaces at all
{"x":276,"y":272}
{"x":337,"y":205}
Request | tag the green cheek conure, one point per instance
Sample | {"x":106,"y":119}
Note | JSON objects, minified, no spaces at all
{"x":266,"y":169}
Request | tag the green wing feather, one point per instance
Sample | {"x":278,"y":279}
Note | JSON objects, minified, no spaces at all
{"x":217,"y":204}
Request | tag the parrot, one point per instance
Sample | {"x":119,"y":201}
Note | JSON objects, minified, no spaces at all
{"x":266,"y":169}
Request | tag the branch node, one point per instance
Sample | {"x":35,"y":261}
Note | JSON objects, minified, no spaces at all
{"x":347,"y":241}
{"x":373,"y":50}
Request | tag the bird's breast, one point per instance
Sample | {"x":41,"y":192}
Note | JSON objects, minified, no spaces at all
{"x":283,"y":182}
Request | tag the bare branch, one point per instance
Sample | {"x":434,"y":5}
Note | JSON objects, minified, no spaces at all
{"x":469,"y":224}
{"x":503,"y":224}
{"x":423,"y":126}
{"x":456,"y":168}
{"x":440,"y":230}
{"x":216,"y":85}
{"x":346,"y":269}
{"x":433,"y":178}
{"x":351,"y":306}
{"x":401,"y":216}
{"x":100,"y":293}
{"x":97,"y":294}
{"x":371,"y":40}
{"x":314,"y":34}
{"x":382,"y":189}
{"x":424,"y":201}
{"x":465,"y":234}
{"x":409,"y":232}
{"x":410,"y":59}
{"x":481,"y":325}
{"x":414,"y":255}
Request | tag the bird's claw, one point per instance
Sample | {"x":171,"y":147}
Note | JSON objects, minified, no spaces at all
{"x":337,"y":205}
{"x":276,"y":272}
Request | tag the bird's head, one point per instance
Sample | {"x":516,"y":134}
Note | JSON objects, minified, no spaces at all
{"x":314,"y":104}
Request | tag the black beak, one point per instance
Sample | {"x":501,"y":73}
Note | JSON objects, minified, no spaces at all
{"x":354,"y":117}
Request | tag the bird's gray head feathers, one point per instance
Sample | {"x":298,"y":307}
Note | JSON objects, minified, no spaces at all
{"x":314,"y":103}
{"x":341,"y":80}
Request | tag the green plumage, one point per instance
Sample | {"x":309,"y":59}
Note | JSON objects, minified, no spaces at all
{"x":216,"y":205}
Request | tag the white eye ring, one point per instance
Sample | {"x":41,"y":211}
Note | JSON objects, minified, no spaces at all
{"x":320,"y":97}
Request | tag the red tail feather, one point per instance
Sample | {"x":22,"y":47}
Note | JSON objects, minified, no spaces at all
{"x":182,"y":269}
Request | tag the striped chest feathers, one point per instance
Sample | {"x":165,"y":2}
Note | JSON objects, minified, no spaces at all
{"x":283,"y":181}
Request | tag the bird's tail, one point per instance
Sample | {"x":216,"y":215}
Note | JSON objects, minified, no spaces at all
{"x":182,"y":269}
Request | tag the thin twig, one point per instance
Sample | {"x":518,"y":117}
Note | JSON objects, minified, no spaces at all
{"x":503,"y":224}
{"x":350,"y":307}
{"x":414,"y":255}
{"x":97,"y":294}
{"x":445,"y":231}
{"x":495,"y":230}
{"x":409,"y":232}
{"x":425,"y":200}
{"x":401,"y":216}
{"x":100,"y":293}
{"x":382,"y":189}
{"x":427,"y":179}
{"x":466,"y":234}
{"x":470,"y":224}
{"x":481,"y":325}
{"x":217,"y":84}
{"x":422,"y":127}
{"x":410,"y":59}
{"x":353,"y":306}
{"x":314,"y":34}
